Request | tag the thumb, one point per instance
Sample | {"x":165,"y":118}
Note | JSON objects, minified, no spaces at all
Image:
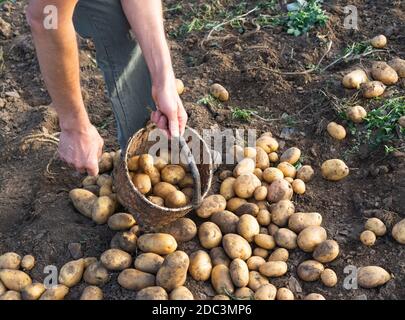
{"x":174,"y":125}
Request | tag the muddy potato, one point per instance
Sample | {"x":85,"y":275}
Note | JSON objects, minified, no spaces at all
{"x":265,"y":241}
{"x":104,"y":180}
{"x":71,"y":273}
{"x":314,"y":296}
{"x":96,"y":274}
{"x":179,"y":86}
{"x":236,"y":246}
{"x":287,"y":169}
{"x":239,"y":272}
{"x":263,"y":217}
{"x":267,"y":143}
{"x":127,"y":241}
{"x":354,"y":79}
{"x":285,"y":238}
{"x":398,"y":232}
{"x":10,"y":295}
{"x":152,"y":293}
{"x":83,"y":200}
{"x":334,"y":170}
{"x":92,"y":293}
{"x":291,"y":155}
{"x":399,"y":66}
{"x":356,"y":114}
{"x":121,"y":221}
{"x":159,"y":243}
{"x":279,"y":254}
{"x":234,"y":203}
{"x":244,"y":293}
{"x":260,"y":252}
{"x":372,"y":277}
{"x":33,"y":291}
{"x":183,"y":229}
{"x":256,"y":280}
{"x":160,"y":163}
{"x":379,"y":41}
{"x":336,"y":131}
{"x":189,"y":193}
{"x":310,"y":270}
{"x":311,"y":237}
{"x":57,"y":292}
{"x":187,"y":181}
{"x":245,"y":185}
{"x":89,"y":181}
{"x":248,"y":208}
{"x":132,"y":279}
{"x":173,"y":174}
{"x":173,"y":272}
{"x":381,"y":71}
{"x":142,"y":182}
{"x":249,"y":152}
{"x":272,"y":229}
{"x":298,"y":221}
{"x":116,"y":259}
{"x":281,"y":212}
{"x":305,"y":173}
{"x":273,"y":157}
{"x":10,"y":260}
{"x":266,"y":292}
{"x":262,"y":159}
{"x":102,"y":209}
{"x":329,"y":278}
{"x":133,"y":163}
{"x":225,"y":174}
{"x":210,"y":205}
{"x":226,"y":221}
{"x":105,"y":163}
{"x":105,"y":190}
{"x":273,"y":268}
{"x":14,"y":279}
{"x":181,"y":293}
{"x":284,"y":294}
{"x":372,"y":89}
{"x":153,"y":174}
{"x":226,"y":189}
{"x":176,"y":199}
{"x":163,"y":189}
{"x":279,"y":190}
{"x":376,"y":225}
{"x":326,"y":251}
{"x":258,"y":173}
{"x":221,"y":279}
{"x":200,"y":265}
{"x":245,"y":166}
{"x":298,"y":186}
{"x":219,"y":256}
{"x":254,"y":262}
{"x":248,"y":227}
{"x":210,"y":235}
{"x":260,"y":193}
{"x":219,"y":92}
{"x":148,"y":262}
{"x":368,"y":238}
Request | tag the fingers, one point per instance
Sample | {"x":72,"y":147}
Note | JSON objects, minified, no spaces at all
{"x":183,"y":117}
{"x":92,"y":168}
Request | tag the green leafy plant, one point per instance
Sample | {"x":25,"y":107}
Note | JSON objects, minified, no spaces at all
{"x":242,"y":114}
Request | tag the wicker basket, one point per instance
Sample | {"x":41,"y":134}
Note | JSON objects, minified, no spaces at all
{"x":150,"y":216}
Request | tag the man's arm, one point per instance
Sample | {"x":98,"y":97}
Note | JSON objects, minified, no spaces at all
{"x":80,"y":144}
{"x":146,"y":20}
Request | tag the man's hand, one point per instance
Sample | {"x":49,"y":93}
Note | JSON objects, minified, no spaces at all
{"x":81,"y":148}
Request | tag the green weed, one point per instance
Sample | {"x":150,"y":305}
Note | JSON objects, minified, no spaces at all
{"x":241,"y":114}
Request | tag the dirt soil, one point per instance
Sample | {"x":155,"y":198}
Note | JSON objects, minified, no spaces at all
{"x":37,"y":218}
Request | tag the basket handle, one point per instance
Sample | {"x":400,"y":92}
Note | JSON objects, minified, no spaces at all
{"x":197,"y":198}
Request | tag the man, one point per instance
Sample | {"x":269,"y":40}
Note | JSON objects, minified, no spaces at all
{"x":138,"y":73}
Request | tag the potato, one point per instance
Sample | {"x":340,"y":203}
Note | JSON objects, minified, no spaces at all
{"x":336,"y":131}
{"x":334,"y":170}
{"x":244,"y":293}
{"x":89,"y":181}
{"x":117,"y":158}
{"x":266,"y":292}
{"x":279,"y":254}
{"x":176,"y":199}
{"x":260,"y":252}
{"x":104,"y":180}
{"x":179,"y":86}
{"x":379,"y":41}
{"x":153,"y":174}
{"x":132,"y":279}
{"x":148,"y":262}
{"x":245,"y":166}
{"x":263,"y":204}
{"x":286,"y":238}
{"x":255,"y":262}
{"x":250,"y":152}
{"x":10,"y":295}
{"x":226,"y":189}
{"x":376,"y":225}
{"x":189,"y":193}
{"x":121,"y":221}
{"x":57,"y":292}
{"x":221,"y":280}
{"x":152,"y":293}
{"x":10,"y":260}
{"x":95,"y":274}
{"x":183,"y":229}
{"x":173,"y":174}
{"x":314,"y":296}
{"x":372,"y":277}
{"x":399,"y":66}
{"x":219,"y":92}
{"x":262,"y":159}
{"x":210,"y":205}
{"x":300,"y":220}
{"x":83,"y":200}
{"x":248,"y":227}
{"x":105,"y":190}
{"x":235,"y":154}
{"x":239,"y":272}
{"x":160,"y":163}
{"x":181,"y":293}
{"x":221,"y":297}
{"x":3,"y":289}
{"x":273,"y":269}
{"x":210,"y":235}
{"x":279,"y":190}
{"x":102,"y":209}
{"x":287,"y":169}
{"x":159,"y":243}
{"x":281,"y":212}
{"x":133,"y":163}
{"x":248,"y":208}
{"x":187,"y":181}
{"x":273,"y":157}
{"x":92,"y":293}
{"x":236,"y":246}
{"x":329,"y":278}
{"x":93,"y":189}
{"x":260,"y":193}
{"x":127,"y":241}
{"x":291,"y":155}
{"x":354,"y":79}
{"x":142,"y":182}
{"x":356,"y":114}
{"x":272,"y":229}
{"x":310,"y":270}
{"x":368,"y":238}
{"x":136,"y":230}
{"x":173,"y":271}
{"x":263,"y":217}
{"x":305,"y":173}
{"x":105,"y":163}
{"x":33,"y":291}
{"x":163,"y":189}
{"x":218,"y":256}
{"x":265,"y":241}
{"x":256,"y":280}
{"x":398,"y":232}
{"x":267,"y":143}
{"x":298,"y":186}
{"x":71,"y":273}
{"x":225,"y":174}
{"x":200,"y":265}
{"x":226,"y":221}
{"x":116,"y":259}
{"x":14,"y":279}
{"x":245,"y":185}
{"x":311,"y":237}
{"x":372,"y":89}
{"x":234,"y":203}
{"x":284,"y":294}
{"x":381,"y":71}
{"x":326,"y":251}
